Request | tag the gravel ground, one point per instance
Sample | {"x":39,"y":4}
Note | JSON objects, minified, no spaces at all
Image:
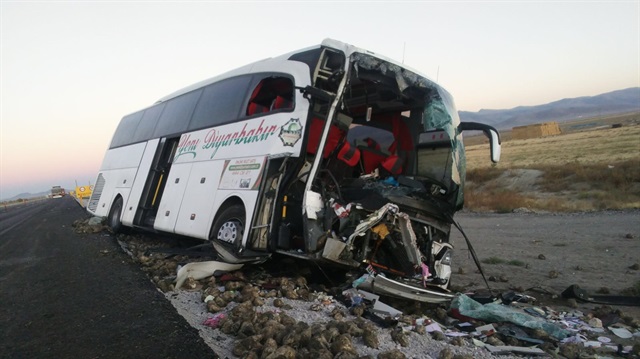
{"x":191,"y":307}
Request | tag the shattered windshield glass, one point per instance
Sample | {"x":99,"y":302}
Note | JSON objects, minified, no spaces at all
{"x":439,"y":114}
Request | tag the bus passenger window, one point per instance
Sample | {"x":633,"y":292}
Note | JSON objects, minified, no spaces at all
{"x":271,"y":94}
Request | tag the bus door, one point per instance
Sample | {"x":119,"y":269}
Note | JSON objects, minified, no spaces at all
{"x":156,"y":181}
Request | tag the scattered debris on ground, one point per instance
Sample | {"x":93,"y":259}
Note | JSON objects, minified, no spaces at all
{"x":282,"y":311}
{"x":91,"y":225}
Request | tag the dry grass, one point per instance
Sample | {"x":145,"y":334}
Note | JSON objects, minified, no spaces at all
{"x":581,"y":171}
{"x":603,"y":146}
{"x":501,"y":201}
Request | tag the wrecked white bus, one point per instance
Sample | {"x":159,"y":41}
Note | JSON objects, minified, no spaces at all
{"x":331,"y":153}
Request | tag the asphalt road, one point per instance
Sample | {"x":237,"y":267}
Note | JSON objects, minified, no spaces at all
{"x":66,"y":295}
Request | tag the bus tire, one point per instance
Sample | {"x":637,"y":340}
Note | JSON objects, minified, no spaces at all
{"x":229,"y":225}
{"x":114,"y":216}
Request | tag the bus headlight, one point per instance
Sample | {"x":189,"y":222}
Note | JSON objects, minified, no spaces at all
{"x":444,"y":257}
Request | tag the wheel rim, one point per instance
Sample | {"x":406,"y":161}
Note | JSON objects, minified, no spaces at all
{"x":229,"y":231}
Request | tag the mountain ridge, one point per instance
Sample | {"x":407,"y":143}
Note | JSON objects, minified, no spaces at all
{"x":27,"y":195}
{"x":566,"y":109}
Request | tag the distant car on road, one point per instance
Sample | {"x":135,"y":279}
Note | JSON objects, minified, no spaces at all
{"x":57,"y":192}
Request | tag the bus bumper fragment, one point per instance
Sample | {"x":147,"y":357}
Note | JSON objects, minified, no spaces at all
{"x":382,"y":285}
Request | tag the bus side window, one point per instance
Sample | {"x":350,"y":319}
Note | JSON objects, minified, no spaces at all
{"x":271,"y":94}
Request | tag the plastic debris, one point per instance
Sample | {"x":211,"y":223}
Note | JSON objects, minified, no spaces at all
{"x":340,"y":210}
{"x":509,"y":297}
{"x":201,"y":270}
{"x":486,"y":330}
{"x":592,"y":344}
{"x":360,"y":280}
{"x":493,"y":312}
{"x":379,"y":307}
{"x":390,"y":181}
{"x":503,"y":349}
{"x":578,"y":338}
{"x":482,"y":297}
{"x":621,"y":332}
{"x":425,"y":274}
{"x":536,"y":311}
{"x":478,"y":343}
{"x":357,"y":297}
{"x":452,"y":333}
{"x":433,"y":327}
{"x":513,"y":331}
{"x":214,"y":321}
{"x":465,"y":327}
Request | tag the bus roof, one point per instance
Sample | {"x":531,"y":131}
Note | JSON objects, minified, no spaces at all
{"x":331,"y":43}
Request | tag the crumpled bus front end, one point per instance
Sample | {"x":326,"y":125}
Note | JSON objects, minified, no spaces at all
{"x":399,"y":255}
{"x":383,"y":176}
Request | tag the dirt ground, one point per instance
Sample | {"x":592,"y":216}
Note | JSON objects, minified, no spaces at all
{"x":550,"y":252}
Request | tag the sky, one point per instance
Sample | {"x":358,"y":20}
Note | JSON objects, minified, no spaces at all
{"x":69,"y":70}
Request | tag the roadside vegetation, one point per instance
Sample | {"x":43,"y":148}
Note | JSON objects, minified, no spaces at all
{"x":589,"y":170}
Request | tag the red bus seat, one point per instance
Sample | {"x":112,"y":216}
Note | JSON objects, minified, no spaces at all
{"x":281,"y":103}
{"x":373,"y":157}
{"x":255,"y":108}
{"x":349,"y":154}
{"x":335,"y":141}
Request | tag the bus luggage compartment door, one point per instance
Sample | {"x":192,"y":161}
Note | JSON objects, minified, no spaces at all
{"x":196,"y":209}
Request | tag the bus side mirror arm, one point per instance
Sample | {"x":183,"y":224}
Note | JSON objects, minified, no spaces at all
{"x":314,"y":92}
{"x":490,"y":132}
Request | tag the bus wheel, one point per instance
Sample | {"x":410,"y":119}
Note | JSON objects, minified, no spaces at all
{"x":114,"y":216}
{"x":229,"y":226}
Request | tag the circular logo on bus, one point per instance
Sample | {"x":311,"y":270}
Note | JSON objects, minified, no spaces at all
{"x":291,"y":132}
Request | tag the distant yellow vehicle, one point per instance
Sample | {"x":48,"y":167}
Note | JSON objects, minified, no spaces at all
{"x":83,"y":191}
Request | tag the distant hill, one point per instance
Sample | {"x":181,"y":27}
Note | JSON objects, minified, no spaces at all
{"x":610,"y":103}
{"x":27,"y":195}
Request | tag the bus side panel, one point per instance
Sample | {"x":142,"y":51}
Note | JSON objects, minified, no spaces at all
{"x":172,"y":197}
{"x":118,"y":170}
{"x":198,"y":201}
{"x":139,"y":182}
